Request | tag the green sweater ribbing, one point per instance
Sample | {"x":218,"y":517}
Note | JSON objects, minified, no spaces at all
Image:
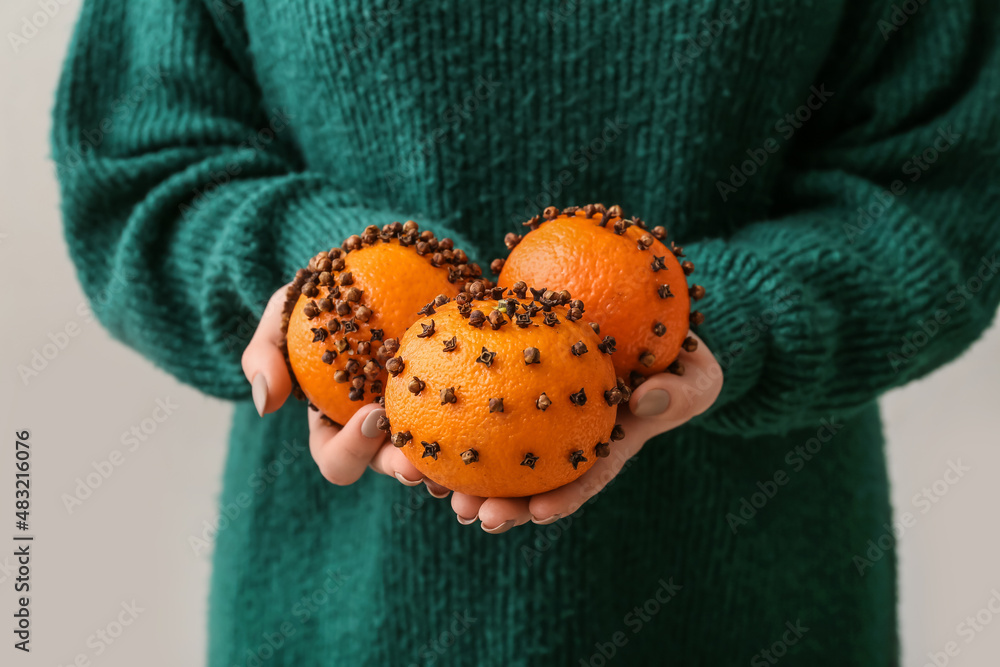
{"x":206,"y":149}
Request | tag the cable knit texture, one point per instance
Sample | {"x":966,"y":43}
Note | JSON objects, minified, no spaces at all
{"x":830,"y":168}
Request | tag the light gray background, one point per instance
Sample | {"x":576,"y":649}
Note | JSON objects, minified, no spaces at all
{"x":129,"y":541}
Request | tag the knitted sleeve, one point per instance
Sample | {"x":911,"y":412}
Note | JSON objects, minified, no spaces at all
{"x":185,"y":201}
{"x":882,"y":262}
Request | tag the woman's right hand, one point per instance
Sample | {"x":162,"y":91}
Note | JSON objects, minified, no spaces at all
{"x":341,"y":452}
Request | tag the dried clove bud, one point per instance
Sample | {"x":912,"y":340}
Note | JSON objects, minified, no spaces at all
{"x":664,"y":292}
{"x":440,"y":300}
{"x":658,"y":264}
{"x":427,"y":310}
{"x":343,"y":308}
{"x":486,"y":358}
{"x":578,"y":349}
{"x":350,"y":326}
{"x":602,"y":450}
{"x":532,"y":356}
{"x":659,"y":329}
{"x":416,"y":385}
{"x":677,"y":368}
{"x":400,"y":439}
{"x":596,"y":327}
{"x":579,"y":398}
{"x":687,"y":267}
{"x":325,"y":305}
{"x":477,"y":319}
{"x":550,"y":319}
{"x":647,"y":359}
{"x":697,"y":292}
{"x":353,"y":295}
{"x":697,"y":318}
{"x":607,"y":345}
{"x":395,"y":366}
{"x":659,"y":232}
{"x":469,"y":456}
{"x":550,"y":212}
{"x":689,"y":344}
{"x":341,"y":344}
{"x":613,"y":396}
{"x":329,"y":356}
{"x":346,"y":279}
{"x":310,"y":310}
{"x":644,"y":242}
{"x":617,"y":433}
{"x":496,"y":319}
{"x":523,"y":320}
{"x":614,"y":211}
{"x":448,"y":396}
{"x":511,"y":240}
{"x":427,"y":330}
{"x":520,"y":289}
{"x":341,"y":376}
{"x":574,"y":314}
{"x":376,"y":334}
{"x":391,"y":345}
{"x":352,"y":366}
{"x":383,"y":423}
{"x":319,"y":334}
{"x":496,"y":405}
{"x":529,"y":460}
{"x":363,"y":313}
{"x":310,"y":290}
{"x":431,"y":449}
{"x":371,"y":370}
{"x":543,"y":402}
{"x":576,"y":458}
{"x":450,"y":344}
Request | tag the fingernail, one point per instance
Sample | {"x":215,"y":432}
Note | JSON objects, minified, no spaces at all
{"x":502,"y":528}
{"x":259,"y":392}
{"x":655,"y":402}
{"x":545,"y":522}
{"x":408,"y":482}
{"x":433,"y":493}
{"x":465,"y":522}
{"x":369,"y":427}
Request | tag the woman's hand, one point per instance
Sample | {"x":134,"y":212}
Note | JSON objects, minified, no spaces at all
{"x":341,"y":452}
{"x":661,"y":403}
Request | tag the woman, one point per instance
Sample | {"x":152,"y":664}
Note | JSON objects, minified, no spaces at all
{"x":825,"y":165}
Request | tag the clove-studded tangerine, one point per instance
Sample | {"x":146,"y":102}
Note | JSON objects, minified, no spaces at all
{"x":635,"y":286}
{"x":346,"y":310}
{"x":514,"y":406}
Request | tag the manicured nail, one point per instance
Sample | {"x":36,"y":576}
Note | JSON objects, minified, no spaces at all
{"x":545,"y":522}
{"x":502,"y":528}
{"x":435,"y":493}
{"x":408,"y":482}
{"x":655,"y":402}
{"x":369,"y":427}
{"x":465,"y":522}
{"x":259,"y":392}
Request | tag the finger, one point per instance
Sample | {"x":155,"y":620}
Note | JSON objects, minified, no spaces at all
{"x":436,"y":489}
{"x":498,"y":515}
{"x":390,"y":460}
{"x":466,"y":507}
{"x":558,"y":503}
{"x":343,"y":454}
{"x":263,"y":362}
{"x":667,"y":400}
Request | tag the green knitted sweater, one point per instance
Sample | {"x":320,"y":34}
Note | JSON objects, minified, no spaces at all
{"x":828,"y":166}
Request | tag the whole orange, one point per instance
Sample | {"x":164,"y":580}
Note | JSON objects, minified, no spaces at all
{"x":502,"y":397}
{"x":634,"y":286}
{"x":345,"y":312}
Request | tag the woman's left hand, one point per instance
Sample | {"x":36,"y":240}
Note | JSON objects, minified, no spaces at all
{"x":661,"y":403}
